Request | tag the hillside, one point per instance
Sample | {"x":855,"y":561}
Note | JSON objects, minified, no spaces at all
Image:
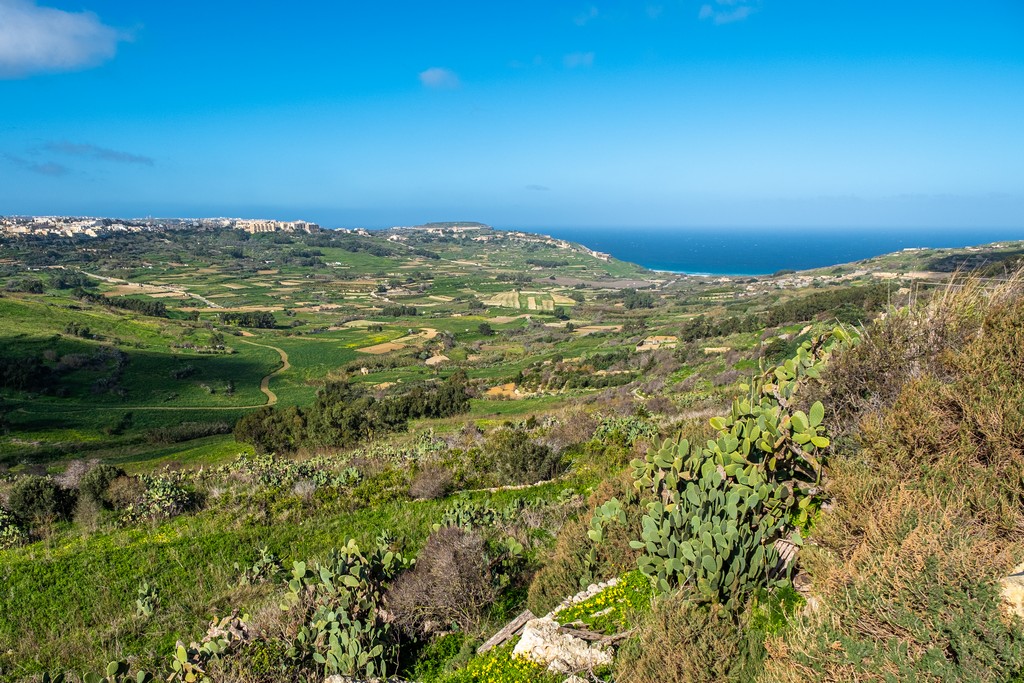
{"x":366,"y":453}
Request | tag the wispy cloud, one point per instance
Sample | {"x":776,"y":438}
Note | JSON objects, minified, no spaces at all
{"x":94,"y":152}
{"x":586,"y":16}
{"x":578,"y":59}
{"x":46,"y":168}
{"x":36,"y":39}
{"x":439,"y":77}
{"x":726,"y":11}
{"x":520,"y":64}
{"x":538,"y":188}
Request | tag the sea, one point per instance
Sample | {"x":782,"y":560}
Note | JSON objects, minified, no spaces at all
{"x":762,"y":251}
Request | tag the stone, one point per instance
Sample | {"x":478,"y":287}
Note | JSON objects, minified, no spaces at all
{"x":1013,"y":591}
{"x":544,"y":644}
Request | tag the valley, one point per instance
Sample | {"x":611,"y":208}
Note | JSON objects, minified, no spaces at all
{"x":251,"y":403}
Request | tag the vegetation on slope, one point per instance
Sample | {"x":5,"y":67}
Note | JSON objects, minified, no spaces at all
{"x":895,"y":464}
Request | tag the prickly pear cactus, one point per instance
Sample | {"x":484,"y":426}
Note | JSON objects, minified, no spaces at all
{"x":343,"y":629}
{"x":716,"y":509}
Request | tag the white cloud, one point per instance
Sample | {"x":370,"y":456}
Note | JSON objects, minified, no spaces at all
{"x":439,"y":77}
{"x":36,"y":39}
{"x":576,"y":59}
{"x":738,"y":10}
{"x":584,"y":17}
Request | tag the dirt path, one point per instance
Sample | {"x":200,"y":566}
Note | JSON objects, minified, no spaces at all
{"x":165,"y":288}
{"x":264,"y":387}
{"x":265,"y":382}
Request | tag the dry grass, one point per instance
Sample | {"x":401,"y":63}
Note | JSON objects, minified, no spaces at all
{"x":570,"y":566}
{"x":927,"y":497}
{"x":683,"y":641}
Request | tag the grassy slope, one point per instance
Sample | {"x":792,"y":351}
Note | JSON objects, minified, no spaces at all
{"x":74,"y":587}
{"x":927,"y":516}
{"x":69,"y":602}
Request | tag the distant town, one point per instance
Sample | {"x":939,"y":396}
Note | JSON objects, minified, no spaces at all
{"x":70,"y":226}
{"x":81,"y":226}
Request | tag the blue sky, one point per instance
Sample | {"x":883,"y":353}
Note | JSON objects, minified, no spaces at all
{"x":674,"y":113}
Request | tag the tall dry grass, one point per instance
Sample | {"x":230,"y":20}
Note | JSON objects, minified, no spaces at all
{"x":927,"y":493}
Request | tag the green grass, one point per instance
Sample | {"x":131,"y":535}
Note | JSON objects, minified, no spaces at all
{"x":69,"y":602}
{"x":481,"y":408}
{"x":208,"y":451}
{"x":614,"y":608}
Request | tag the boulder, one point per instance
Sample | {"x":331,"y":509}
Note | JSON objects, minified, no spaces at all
{"x":543,"y":643}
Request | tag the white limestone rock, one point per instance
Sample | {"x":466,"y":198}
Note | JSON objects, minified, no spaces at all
{"x":1013,"y":591}
{"x":542,"y":643}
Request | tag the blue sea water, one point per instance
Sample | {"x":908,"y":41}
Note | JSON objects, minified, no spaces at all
{"x":759,"y":251}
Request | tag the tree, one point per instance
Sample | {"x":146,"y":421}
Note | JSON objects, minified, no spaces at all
{"x":485,"y":329}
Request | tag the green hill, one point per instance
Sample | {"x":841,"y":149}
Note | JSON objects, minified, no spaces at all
{"x":811,"y":476}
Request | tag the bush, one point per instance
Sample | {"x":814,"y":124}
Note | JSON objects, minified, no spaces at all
{"x":186,"y":431}
{"x":926,"y":513}
{"x":125,"y":491}
{"x":685,"y":641}
{"x":449,"y":585}
{"x":40,"y":499}
{"x":95,"y":484}
{"x":430,"y":483}
{"x":520,"y":460}
{"x":908,"y":583}
{"x":11,"y":532}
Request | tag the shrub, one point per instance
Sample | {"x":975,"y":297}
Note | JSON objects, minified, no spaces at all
{"x":430,"y":483}
{"x":40,"y":499}
{"x":450,"y":584}
{"x":926,"y":513}
{"x":11,"y":532}
{"x":72,"y":475}
{"x":520,"y":460}
{"x":125,"y":491}
{"x":88,"y":513}
{"x":685,"y":641}
{"x":907,"y":583}
{"x":186,"y":431}
{"x":95,"y":484}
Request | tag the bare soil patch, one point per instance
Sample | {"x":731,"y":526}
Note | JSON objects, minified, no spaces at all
{"x":378,"y":349}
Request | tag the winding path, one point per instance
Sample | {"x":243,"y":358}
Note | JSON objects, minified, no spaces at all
{"x":265,"y":382}
{"x":264,"y":387}
{"x":169,"y":288}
